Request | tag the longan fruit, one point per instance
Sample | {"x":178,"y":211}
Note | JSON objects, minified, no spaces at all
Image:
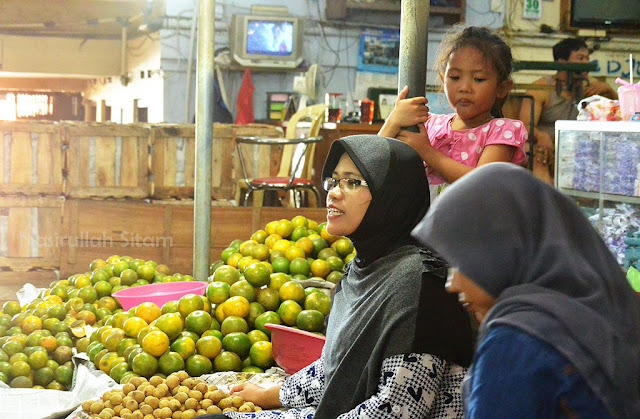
{"x":181,"y":397}
{"x":188,"y":414}
{"x":137,"y":395}
{"x":205,"y":403}
{"x":128,"y":388}
{"x":257,"y":409}
{"x":175,"y":390}
{"x":108,"y":404}
{"x":115,"y":399}
{"x":195,"y":394}
{"x":96,"y":407}
{"x":217,"y":395}
{"x":230,"y":409}
{"x":191,"y":403}
{"x":213,"y":409}
{"x":165,"y":413}
{"x":148,"y":417}
{"x":155,"y":380}
{"x":237,"y":401}
{"x":125,"y":411}
{"x":246,"y":407}
{"x":201,"y":387}
{"x":212,"y":387}
{"x":86,"y":405}
{"x":117,"y":409}
{"x":146,"y":409}
{"x":201,"y":412}
{"x":148,"y":390}
{"x":154,"y":402}
{"x":172,"y":381}
{"x":106,"y":395}
{"x":106,"y":414}
{"x":176,"y":415}
{"x":128,"y":415}
{"x":189,"y":382}
{"x":182,"y":375}
{"x":174,"y":404}
{"x":164,"y":389}
{"x":136,"y":381}
{"x":225,"y":403}
{"x":131,"y":405}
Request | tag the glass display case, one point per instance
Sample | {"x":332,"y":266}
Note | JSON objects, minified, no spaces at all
{"x":598,"y":163}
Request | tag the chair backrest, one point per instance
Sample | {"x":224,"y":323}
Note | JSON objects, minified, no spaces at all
{"x":315,"y":114}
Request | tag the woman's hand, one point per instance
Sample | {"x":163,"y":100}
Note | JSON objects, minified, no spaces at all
{"x":406,"y":113}
{"x":266,"y":398}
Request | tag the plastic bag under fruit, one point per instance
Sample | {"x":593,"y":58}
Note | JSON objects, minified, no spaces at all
{"x":598,"y":108}
{"x":30,"y":403}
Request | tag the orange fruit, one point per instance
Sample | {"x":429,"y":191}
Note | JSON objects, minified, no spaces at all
{"x":245,"y":262}
{"x":99,"y":275}
{"x":30,"y":324}
{"x":298,"y":233}
{"x":284,"y":228}
{"x":325,"y":235}
{"x":226,"y":273}
{"x":209,"y":346}
{"x":128,"y":276}
{"x":146,"y":272}
{"x":97,"y":263}
{"x":198,"y":321}
{"x":119,"y":370}
{"x":343,"y":246}
{"x":264,"y":318}
{"x":292,"y":291}
{"x":259,"y":236}
{"x":334,"y":277}
{"x":148,"y":311}
{"x":294,"y":252}
{"x":133,"y":325}
{"x":260,"y":252}
{"x":144,"y":364}
{"x":124,"y":344}
{"x":119,"y":318}
{"x":88,"y":294}
{"x":280,"y":264}
{"x":145,"y":331}
{"x":299,"y":221}
{"x":170,"y":307}
{"x":227,"y":361}
{"x":11,"y":308}
{"x":281,"y":245}
{"x":312,"y":225}
{"x":170,"y":362}
{"x":311,"y":321}
{"x":63,"y":374}
{"x":156,"y":343}
{"x":320,"y":268}
{"x":219,"y":312}
{"x":257,"y":336}
{"x":261,"y":355}
{"x":255,"y":309}
{"x":288,"y":312}
{"x":43,"y":376}
{"x":318,"y":301}
{"x":247,"y":246}
{"x":235,"y":306}
{"x":237,"y":342}
{"x":233,"y":324}
{"x":170,"y":324}
{"x":270,"y":228}
{"x":226,"y":254}
{"x":305,"y":244}
{"x":49,"y":343}
{"x":300,"y":266}
{"x":335,"y":263}
{"x":189,"y":303}
{"x":185,"y":346}
{"x":257,"y":274}
{"x":244,"y":289}
{"x":273,"y":238}
{"x":112,"y":340}
{"x":233,"y":260}
{"x":326,"y":253}
{"x":198,"y":365}
{"x":277,"y":279}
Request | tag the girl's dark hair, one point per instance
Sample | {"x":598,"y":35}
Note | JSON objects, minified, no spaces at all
{"x":492,"y":47}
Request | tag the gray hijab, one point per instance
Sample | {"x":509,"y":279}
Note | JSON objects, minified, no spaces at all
{"x":553,"y":277}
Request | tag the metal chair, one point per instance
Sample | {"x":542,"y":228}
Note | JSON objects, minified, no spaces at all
{"x":296,"y":163}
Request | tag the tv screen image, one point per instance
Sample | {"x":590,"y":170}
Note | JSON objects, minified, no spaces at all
{"x":270,"y":38}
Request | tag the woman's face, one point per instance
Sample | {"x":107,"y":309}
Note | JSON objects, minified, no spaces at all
{"x":345,"y":207}
{"x":472,"y":297}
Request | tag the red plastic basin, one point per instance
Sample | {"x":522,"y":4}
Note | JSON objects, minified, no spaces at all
{"x":159,"y":293}
{"x":294,"y":349}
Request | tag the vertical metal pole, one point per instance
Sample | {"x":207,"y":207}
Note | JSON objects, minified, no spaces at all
{"x":204,"y":139}
{"x":192,"y":47}
{"x":414,"y":27}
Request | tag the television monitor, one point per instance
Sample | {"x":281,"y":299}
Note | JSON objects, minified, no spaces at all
{"x":267,"y":41}
{"x":605,"y":14}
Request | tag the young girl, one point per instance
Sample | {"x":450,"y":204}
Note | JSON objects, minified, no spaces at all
{"x":475,"y":67}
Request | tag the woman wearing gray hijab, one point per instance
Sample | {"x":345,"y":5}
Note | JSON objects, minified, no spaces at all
{"x":560,"y":325}
{"x":397,"y":342}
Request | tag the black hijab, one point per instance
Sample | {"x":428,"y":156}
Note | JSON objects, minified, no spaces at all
{"x":385,"y":305}
{"x":533,"y":250}
{"x":400,"y":190}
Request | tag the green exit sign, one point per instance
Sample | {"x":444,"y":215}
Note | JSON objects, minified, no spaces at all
{"x":532,"y":9}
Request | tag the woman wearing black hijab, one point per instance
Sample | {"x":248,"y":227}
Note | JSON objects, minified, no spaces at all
{"x":397,"y":343}
{"x":560,"y":331}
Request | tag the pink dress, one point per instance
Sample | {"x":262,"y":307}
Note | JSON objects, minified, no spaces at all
{"x":466,"y":146}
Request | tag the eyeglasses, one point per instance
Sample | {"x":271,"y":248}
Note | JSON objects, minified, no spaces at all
{"x":346,"y":184}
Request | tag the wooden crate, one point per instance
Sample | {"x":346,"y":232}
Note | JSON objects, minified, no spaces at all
{"x":30,"y":158}
{"x":11,"y":282}
{"x":173,"y":158}
{"x":106,"y":160}
{"x":30,"y":232}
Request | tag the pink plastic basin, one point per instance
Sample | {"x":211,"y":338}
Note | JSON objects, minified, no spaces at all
{"x":294,"y":349}
{"x":159,"y":293}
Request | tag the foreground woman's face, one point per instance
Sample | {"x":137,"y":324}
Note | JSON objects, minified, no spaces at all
{"x":472,"y":297}
{"x":346,"y":207}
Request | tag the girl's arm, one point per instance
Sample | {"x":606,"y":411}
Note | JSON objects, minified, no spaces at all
{"x":414,"y":386}
{"x":450,"y":169}
{"x":406,"y":113}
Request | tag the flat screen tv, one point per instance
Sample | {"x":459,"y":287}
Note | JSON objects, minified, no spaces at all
{"x":605,"y":14}
{"x":266,"y":41}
